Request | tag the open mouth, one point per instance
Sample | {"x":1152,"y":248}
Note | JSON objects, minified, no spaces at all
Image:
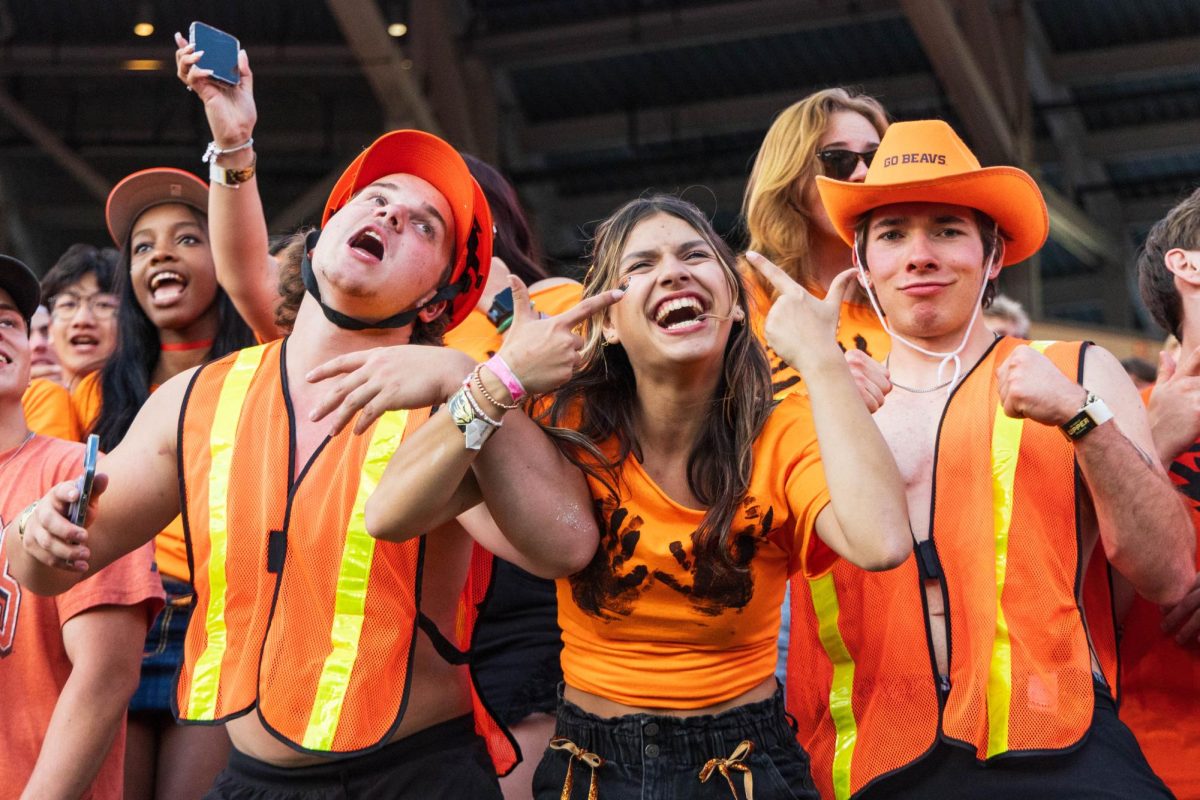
{"x":678,"y":312}
{"x":370,"y":242}
{"x":5,"y":358}
{"x":166,"y":286}
{"x":83,"y":340}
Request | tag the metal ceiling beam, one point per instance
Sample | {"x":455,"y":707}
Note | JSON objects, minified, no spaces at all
{"x":433,"y":30}
{"x":1128,"y":141}
{"x":19,"y":117}
{"x":728,"y":115}
{"x":76,"y":61}
{"x":1079,"y":167}
{"x":991,"y":129}
{"x":1106,"y":65}
{"x":394,"y":84}
{"x":657,"y":30}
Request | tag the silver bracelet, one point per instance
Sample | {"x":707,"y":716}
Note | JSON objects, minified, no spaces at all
{"x":212,"y":151}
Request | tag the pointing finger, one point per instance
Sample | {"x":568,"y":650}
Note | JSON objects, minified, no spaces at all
{"x":588,"y":306}
{"x":777,"y":277}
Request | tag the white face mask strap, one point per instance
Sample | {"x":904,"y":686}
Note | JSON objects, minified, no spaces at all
{"x":859,"y":255}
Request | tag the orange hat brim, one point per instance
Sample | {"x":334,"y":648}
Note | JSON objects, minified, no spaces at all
{"x":147,"y":188}
{"x":1006,"y":194}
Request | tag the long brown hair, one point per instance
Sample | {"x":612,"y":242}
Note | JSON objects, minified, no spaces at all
{"x":596,"y":406}
{"x":786,"y":163}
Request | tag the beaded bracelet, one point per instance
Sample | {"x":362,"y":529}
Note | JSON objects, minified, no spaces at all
{"x":486,"y":394}
{"x":478,"y":409}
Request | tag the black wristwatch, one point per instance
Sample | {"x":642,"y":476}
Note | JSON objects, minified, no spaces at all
{"x":500,"y":314}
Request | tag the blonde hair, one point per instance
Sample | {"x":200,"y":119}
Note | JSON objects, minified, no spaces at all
{"x":786,"y":164}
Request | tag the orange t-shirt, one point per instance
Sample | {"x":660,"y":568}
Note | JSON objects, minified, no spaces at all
{"x":859,"y":329}
{"x":49,"y":410}
{"x":644,"y":625}
{"x":1160,"y":679}
{"x":34,"y":666}
{"x":170,"y":546}
{"x":477,"y":337}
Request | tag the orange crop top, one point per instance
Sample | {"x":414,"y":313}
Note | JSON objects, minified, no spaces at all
{"x":641,"y":624}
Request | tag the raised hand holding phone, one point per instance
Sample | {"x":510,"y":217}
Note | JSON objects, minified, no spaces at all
{"x":229,"y":106}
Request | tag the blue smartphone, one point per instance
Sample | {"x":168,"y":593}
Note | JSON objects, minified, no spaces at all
{"x":78,"y":511}
{"x":220,"y":52}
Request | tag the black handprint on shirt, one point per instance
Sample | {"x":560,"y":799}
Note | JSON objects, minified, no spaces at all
{"x":709,"y":593}
{"x":602,"y":588}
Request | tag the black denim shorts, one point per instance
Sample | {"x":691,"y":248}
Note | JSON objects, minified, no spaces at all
{"x":646,"y":756}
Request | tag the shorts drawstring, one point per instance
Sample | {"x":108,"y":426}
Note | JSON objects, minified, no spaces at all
{"x":578,"y":753}
{"x":735,"y":762}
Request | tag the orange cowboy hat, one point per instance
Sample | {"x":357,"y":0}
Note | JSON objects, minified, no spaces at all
{"x":924,"y":161}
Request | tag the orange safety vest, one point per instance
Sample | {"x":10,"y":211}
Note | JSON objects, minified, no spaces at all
{"x":1004,"y":542}
{"x":300,"y":613}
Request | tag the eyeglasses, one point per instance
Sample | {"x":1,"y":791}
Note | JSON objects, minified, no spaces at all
{"x":840,"y":164}
{"x":65,"y":306}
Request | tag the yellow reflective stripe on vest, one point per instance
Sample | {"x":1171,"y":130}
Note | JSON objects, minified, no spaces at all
{"x":351,"y":599}
{"x":841,"y":692}
{"x":206,"y":676}
{"x":1006,"y":450}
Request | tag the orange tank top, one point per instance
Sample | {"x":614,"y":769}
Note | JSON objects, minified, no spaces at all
{"x":1004,"y":544}
{"x":645,"y":625}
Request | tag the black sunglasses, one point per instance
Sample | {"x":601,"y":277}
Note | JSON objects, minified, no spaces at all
{"x":840,"y":164}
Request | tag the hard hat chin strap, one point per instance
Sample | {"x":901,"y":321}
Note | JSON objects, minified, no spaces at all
{"x":349,"y":323}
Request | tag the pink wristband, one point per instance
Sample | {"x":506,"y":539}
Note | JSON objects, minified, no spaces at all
{"x":511,"y":382}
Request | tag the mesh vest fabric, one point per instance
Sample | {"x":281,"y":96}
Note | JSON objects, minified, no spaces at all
{"x":300,"y":614}
{"x":862,"y":679}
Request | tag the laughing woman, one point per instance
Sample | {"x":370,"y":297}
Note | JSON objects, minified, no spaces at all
{"x":173,"y":317}
{"x":709,"y":496}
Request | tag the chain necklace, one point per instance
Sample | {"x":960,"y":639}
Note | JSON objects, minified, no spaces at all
{"x":887,"y":363}
{"x":28,"y":438}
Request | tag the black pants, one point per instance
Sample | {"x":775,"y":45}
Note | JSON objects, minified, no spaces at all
{"x":1107,"y":765}
{"x":444,"y":762}
{"x":652,"y":757}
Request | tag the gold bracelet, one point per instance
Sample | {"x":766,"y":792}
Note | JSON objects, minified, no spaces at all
{"x":486,"y":394}
{"x":26,"y":513}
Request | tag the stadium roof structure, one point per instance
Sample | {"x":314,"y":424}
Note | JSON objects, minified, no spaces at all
{"x":586,"y":103}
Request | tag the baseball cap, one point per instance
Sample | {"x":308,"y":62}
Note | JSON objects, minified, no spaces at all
{"x":20,"y":282}
{"x":431,"y":159}
{"x":148,"y":188}
{"x":924,"y":161}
